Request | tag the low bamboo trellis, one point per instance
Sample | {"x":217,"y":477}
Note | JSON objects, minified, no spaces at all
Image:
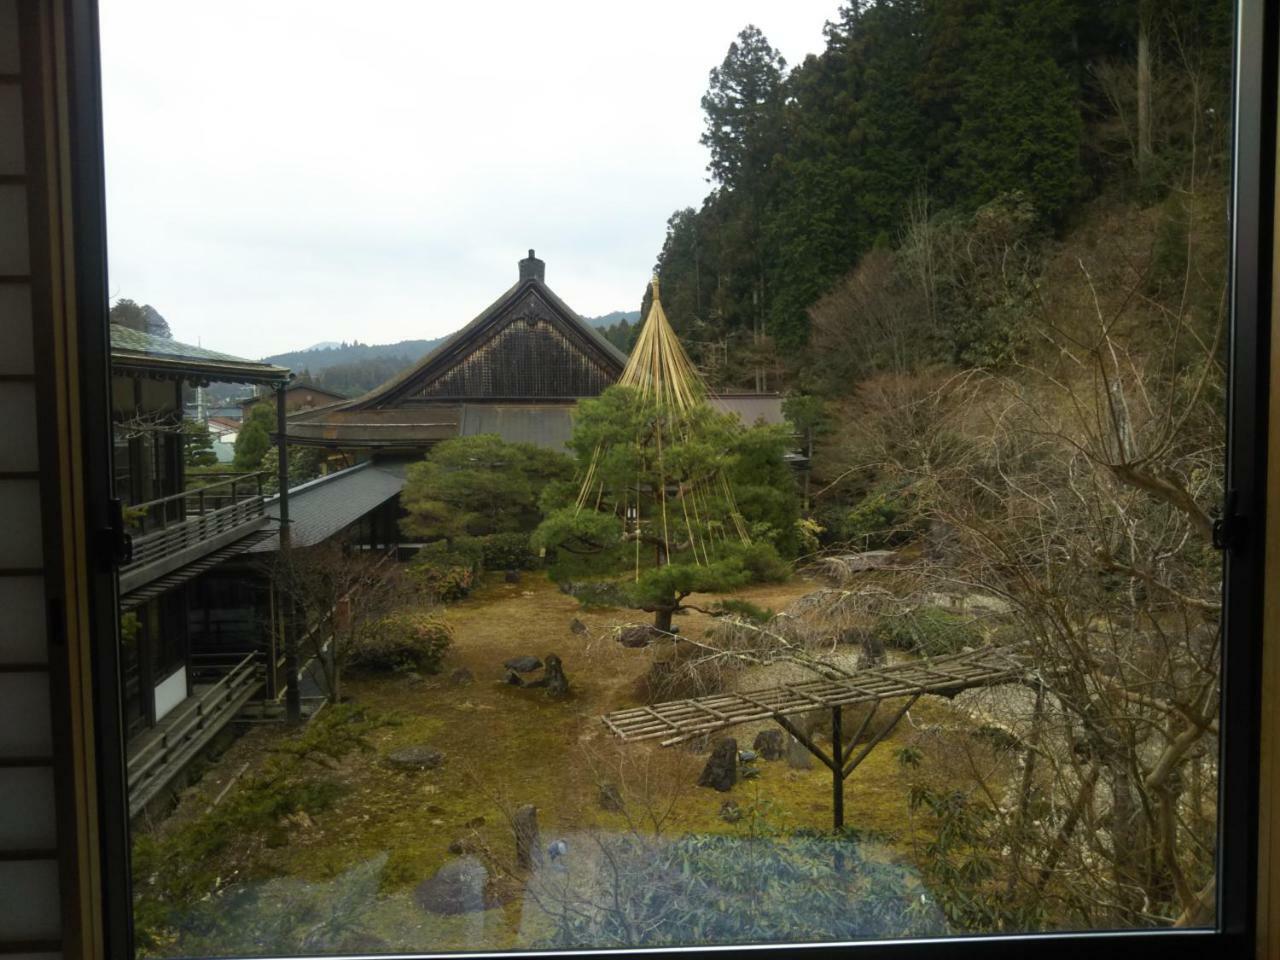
{"x":677,"y":721}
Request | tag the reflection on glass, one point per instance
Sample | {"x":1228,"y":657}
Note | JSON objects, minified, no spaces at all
{"x":858,"y":585}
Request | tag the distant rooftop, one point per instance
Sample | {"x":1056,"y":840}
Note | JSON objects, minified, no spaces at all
{"x":134,"y":351}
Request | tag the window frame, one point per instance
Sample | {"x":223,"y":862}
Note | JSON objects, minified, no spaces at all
{"x":1252,"y":220}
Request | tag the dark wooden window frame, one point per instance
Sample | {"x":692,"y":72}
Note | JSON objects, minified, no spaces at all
{"x":1252,"y":223}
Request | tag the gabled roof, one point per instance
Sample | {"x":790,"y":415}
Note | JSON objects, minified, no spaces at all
{"x":528,"y":299}
{"x":133,"y":351}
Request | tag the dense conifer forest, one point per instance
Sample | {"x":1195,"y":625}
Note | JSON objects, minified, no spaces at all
{"x":1003,"y":127}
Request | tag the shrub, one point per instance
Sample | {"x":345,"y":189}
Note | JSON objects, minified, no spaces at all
{"x":928,"y":631}
{"x":882,"y":519}
{"x":759,"y":886}
{"x":447,"y":572}
{"x":762,"y":563}
{"x":507,"y":551}
{"x":409,"y":640}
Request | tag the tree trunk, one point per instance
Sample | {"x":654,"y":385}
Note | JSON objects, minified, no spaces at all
{"x":1144,"y":89}
{"x":662,"y":619}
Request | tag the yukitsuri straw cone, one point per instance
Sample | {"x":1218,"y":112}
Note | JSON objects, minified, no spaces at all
{"x":661,"y":373}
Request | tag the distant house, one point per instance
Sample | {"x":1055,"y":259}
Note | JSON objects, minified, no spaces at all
{"x":517,"y":370}
{"x":223,"y":431}
{"x":298,"y":396}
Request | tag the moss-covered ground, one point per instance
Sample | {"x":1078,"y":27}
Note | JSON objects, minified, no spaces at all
{"x":507,"y":746}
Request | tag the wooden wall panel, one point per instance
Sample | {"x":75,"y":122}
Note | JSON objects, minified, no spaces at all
{"x":30,"y":896}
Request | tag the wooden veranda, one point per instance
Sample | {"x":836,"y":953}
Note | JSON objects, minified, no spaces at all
{"x":679,"y":720}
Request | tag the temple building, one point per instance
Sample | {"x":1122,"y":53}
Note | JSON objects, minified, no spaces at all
{"x":517,"y":370}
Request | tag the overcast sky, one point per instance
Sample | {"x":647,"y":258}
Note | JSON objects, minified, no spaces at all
{"x":285,"y":173}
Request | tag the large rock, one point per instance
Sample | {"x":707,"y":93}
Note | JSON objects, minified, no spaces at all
{"x":461,"y":677}
{"x":523,"y":664}
{"x":457,"y":887}
{"x":419,"y":757}
{"x":557,"y":682}
{"x":769,"y":744}
{"x":721,"y":771}
{"x":524,"y":824}
{"x":641,"y":636}
{"x":798,"y":757}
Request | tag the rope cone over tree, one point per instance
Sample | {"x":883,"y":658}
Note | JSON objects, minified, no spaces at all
{"x":660,"y":492}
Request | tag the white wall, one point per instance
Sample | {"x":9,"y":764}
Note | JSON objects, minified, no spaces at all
{"x":170,"y":692}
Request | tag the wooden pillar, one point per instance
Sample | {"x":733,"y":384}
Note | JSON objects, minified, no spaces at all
{"x":292,"y":692}
{"x":837,"y":771}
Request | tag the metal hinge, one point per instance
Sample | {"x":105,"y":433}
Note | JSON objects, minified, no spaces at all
{"x":1230,"y":530}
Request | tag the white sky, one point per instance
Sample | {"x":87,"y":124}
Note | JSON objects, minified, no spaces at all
{"x":284,"y":173}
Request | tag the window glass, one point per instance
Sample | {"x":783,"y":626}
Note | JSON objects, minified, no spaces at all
{"x":809,"y":539}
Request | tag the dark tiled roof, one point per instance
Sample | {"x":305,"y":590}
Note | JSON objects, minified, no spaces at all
{"x":134,"y":349}
{"x":321,"y":508}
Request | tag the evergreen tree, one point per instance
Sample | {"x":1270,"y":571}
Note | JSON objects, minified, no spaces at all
{"x":197,"y":444}
{"x":254,"y":438}
{"x":478,"y":485}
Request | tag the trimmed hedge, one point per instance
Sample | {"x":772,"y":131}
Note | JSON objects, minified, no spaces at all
{"x":409,"y":640}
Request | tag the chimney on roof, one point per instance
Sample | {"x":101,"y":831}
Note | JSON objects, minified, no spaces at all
{"x":531,"y":268}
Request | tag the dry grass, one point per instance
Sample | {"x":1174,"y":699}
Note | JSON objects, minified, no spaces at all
{"x":509,"y":746}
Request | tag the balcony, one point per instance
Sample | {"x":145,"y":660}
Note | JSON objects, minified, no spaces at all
{"x":221,"y":688}
{"x":174,"y":531}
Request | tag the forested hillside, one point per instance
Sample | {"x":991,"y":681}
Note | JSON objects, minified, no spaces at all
{"x":981,"y":244}
{"x":995,"y":124}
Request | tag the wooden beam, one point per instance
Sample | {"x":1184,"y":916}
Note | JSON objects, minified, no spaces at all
{"x":804,"y":740}
{"x":884,"y":732}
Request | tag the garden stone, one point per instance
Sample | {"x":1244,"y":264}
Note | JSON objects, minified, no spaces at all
{"x":461,"y":677}
{"x":557,"y":682}
{"x":512,"y":576}
{"x":523,"y":664}
{"x":872,"y":653}
{"x":513,"y":678}
{"x":721,"y":771}
{"x":524,"y":824}
{"x":640,"y":636}
{"x":748,"y":756}
{"x":610,"y":798}
{"x":798,"y":758}
{"x":457,"y":887}
{"x":769,"y":744}
{"x":577,"y":626}
{"x":419,"y":757}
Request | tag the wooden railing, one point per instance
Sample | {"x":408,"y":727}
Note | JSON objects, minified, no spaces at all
{"x":174,"y":523}
{"x":183,"y":732}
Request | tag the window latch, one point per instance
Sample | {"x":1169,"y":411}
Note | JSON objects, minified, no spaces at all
{"x":116,"y":542}
{"x":1229,"y":530}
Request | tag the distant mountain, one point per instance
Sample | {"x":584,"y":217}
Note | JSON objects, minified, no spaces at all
{"x":611,"y":319}
{"x":322,"y":356}
{"x":355,"y":368}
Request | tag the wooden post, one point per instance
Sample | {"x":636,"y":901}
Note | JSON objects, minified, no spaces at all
{"x":292,"y":691}
{"x":837,"y":771}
